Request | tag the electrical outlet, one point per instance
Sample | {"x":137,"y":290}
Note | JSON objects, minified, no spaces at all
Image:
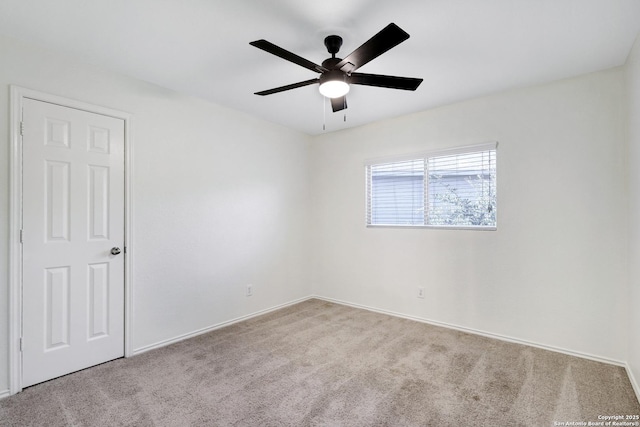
{"x":249,"y":290}
{"x":420,"y":292}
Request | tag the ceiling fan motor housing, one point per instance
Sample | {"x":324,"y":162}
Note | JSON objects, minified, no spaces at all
{"x":330,"y":63}
{"x":332,"y":75}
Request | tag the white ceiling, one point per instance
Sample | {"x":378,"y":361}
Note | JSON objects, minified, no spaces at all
{"x":462,"y":48}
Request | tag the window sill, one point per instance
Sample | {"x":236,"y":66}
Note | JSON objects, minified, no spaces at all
{"x":437,"y":227}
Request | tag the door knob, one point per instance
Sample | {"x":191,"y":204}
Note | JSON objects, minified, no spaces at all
{"x":115,"y":251}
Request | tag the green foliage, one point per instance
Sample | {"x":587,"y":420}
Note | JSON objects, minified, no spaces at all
{"x":476,"y":207}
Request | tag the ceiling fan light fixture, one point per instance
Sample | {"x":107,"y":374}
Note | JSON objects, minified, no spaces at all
{"x":333,"y":84}
{"x":334,"y":88}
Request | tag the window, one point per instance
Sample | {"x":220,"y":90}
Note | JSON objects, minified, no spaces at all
{"x":453,"y":188}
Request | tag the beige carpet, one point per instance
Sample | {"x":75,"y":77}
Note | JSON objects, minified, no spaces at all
{"x":318,"y":363}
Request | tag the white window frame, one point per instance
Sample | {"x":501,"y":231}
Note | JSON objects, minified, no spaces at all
{"x":492,"y":145}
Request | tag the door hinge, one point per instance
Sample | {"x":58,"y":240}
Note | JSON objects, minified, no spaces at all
{"x":22,"y":128}
{"x":20,"y":236}
{"x":20,"y":343}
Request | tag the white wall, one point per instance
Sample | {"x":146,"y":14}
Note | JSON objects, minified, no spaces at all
{"x":633,"y":98}
{"x":220,"y":199}
{"x":555,"y":270}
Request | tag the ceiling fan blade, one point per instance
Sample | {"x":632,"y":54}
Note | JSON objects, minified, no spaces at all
{"x":379,"y":80}
{"x":390,"y":36}
{"x":287,"y":87}
{"x":339,"y":104}
{"x":285,"y":54}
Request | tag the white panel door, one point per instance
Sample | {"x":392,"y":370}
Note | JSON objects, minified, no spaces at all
{"x":73,"y":216}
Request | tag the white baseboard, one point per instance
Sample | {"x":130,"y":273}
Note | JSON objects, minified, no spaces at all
{"x":4,"y":393}
{"x":214,"y":327}
{"x":481,"y":333}
{"x":400,"y":315}
{"x":634,"y":382}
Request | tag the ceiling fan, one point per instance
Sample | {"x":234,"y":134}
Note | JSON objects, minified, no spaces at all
{"x":336,"y":74}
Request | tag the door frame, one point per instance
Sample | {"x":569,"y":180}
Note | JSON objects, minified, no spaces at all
{"x":17,"y":96}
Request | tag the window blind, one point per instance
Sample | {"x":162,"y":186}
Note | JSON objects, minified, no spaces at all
{"x":396,"y":193}
{"x":456,"y":188}
{"x":462,"y":189}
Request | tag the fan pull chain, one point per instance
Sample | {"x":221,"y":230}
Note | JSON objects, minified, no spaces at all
{"x":344,"y":111}
{"x":324,"y":114}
